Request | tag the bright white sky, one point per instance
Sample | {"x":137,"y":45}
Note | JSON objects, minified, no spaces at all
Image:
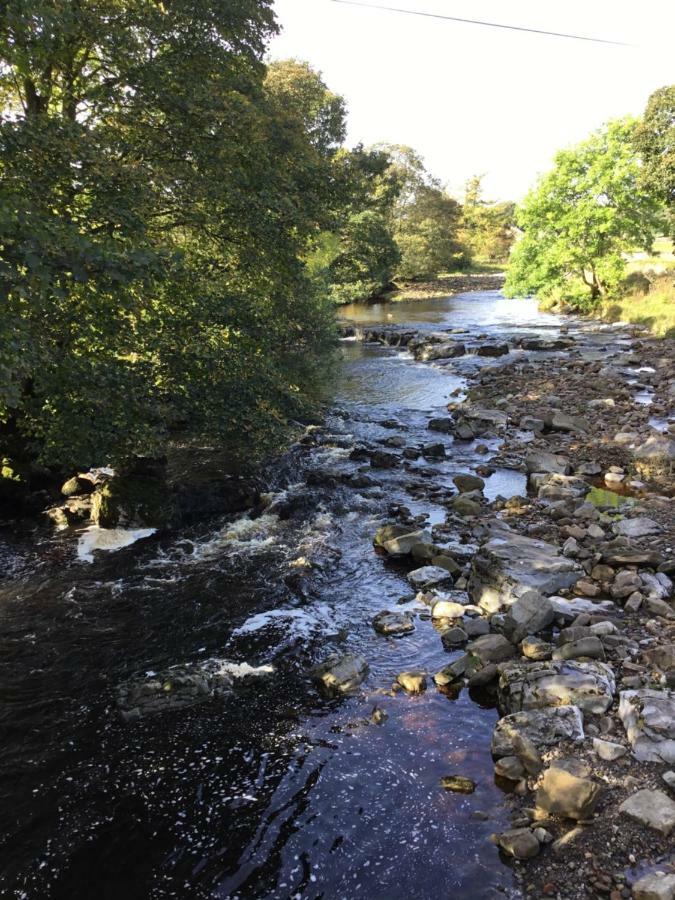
{"x":482,"y":100}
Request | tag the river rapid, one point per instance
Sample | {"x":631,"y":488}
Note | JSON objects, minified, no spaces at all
{"x":271,"y":790}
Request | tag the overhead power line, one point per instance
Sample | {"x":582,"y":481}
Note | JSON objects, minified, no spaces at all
{"x":428,"y":15}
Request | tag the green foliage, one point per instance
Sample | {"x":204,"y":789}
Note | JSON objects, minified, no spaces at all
{"x":157,"y":198}
{"x":488,"y":229}
{"x":366,"y":259}
{"x":655,"y":142}
{"x":580,"y":219}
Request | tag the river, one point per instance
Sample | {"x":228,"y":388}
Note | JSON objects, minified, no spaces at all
{"x":272,"y":790}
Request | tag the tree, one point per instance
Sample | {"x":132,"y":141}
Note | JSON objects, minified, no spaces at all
{"x":488,"y":229}
{"x":581,"y":218}
{"x":157,"y":199}
{"x":655,"y":142}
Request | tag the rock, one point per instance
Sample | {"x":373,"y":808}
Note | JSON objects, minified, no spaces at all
{"x":448,"y":349}
{"x":404,"y":544}
{"x":560,"y":421}
{"x":565,"y":790}
{"x":430,"y":577}
{"x":588,"y":685}
{"x":669,"y":778}
{"x":475,"y":627}
{"x":392,"y":531}
{"x":663,"y":657}
{"x":638,"y":527}
{"x":587,"y":647}
{"x":510,"y":767}
{"x":551,"y":463}
{"x":183,"y":686}
{"x":529,"y":615}
{"x":380,"y":459}
{"x":657,"y":886}
{"x":128,"y":500}
{"x":466,"y":482}
{"x":568,"y":610}
{"x":447,"y":609}
{"x":341,"y":674}
{"x":454,"y":637}
{"x":393,"y":623}
{"x":652,"y":808}
{"x":446,"y":562}
{"x":525,"y":734}
{"x":78,"y":484}
{"x":490,"y":418}
{"x":649,"y":719}
{"x":434,"y":450}
{"x":458,"y":784}
{"x":412,"y":682}
{"x":531,"y":423}
{"x":445,"y":425}
{"x":655,"y":458}
{"x":464,"y":507}
{"x":491,"y":648}
{"x":659,"y":607}
{"x":492,"y":350}
{"x":509,"y":564}
{"x":457,"y":669}
{"x":535,"y":648}
{"x":607,"y":750}
{"x":464,"y":432}
{"x":520,"y":843}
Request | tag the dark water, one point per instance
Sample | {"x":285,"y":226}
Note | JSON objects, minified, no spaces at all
{"x":272,"y":791}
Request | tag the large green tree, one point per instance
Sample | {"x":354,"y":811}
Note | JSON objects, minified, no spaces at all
{"x":157,"y":198}
{"x":581,"y":218}
{"x":488,"y":229}
{"x":655,"y":141}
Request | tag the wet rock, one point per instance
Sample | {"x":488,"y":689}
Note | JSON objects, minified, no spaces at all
{"x":485,"y":418}
{"x":404,"y":544}
{"x":183,"y":686}
{"x":412,"y":682}
{"x":550,"y":463}
{"x":393,"y":623}
{"x":467,"y":482}
{"x":491,"y":648}
{"x":566,"y":790}
{"x":536,"y":649}
{"x":649,"y":719}
{"x":657,"y":886}
{"x":134,"y":499}
{"x":454,"y":637}
{"x":532,"y":423}
{"x":509,"y":564}
{"x":588,"y":685}
{"x":520,"y":843}
{"x":607,"y":750}
{"x":465,"y":507}
{"x":446,"y":349}
{"x":341,"y":674}
{"x":525,"y":734}
{"x":464,"y":432}
{"x":510,"y":768}
{"x":529,"y":615}
{"x":458,"y":784}
{"x":456,"y":670}
{"x":638,"y":527}
{"x":433,"y":450}
{"x":446,"y":425}
{"x":586,"y":647}
{"x":427,"y":577}
{"x":442,"y":561}
{"x":492,"y":350}
{"x":652,"y":808}
{"x":380,"y":459}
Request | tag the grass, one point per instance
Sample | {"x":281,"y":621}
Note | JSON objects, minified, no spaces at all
{"x":655,"y":311}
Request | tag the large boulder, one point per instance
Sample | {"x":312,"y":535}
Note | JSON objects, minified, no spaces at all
{"x":652,"y":808}
{"x":530,"y":614}
{"x":132,"y":500}
{"x":566,"y":790}
{"x":649,"y":719}
{"x":551,"y":463}
{"x":393,"y":624}
{"x":509,"y":565}
{"x":588,"y":685}
{"x":491,"y":648}
{"x":428,"y":577}
{"x":525,"y":734}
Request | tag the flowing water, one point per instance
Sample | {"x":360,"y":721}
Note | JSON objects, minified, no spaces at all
{"x":271,"y":790}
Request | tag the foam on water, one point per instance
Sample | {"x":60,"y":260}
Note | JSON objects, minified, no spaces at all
{"x":110,"y":539}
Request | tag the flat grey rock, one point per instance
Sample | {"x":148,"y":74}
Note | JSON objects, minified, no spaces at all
{"x":649,"y":719}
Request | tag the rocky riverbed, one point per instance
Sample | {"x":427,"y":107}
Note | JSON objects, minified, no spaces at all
{"x":436,"y":658}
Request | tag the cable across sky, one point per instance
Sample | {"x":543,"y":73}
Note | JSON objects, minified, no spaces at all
{"x":429,"y":15}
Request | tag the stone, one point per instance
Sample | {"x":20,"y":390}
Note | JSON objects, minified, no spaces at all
{"x":380,"y":459}
{"x":434,"y":450}
{"x":652,"y":808}
{"x":475,"y":627}
{"x":520,"y":843}
{"x":448,"y":349}
{"x":551,"y":463}
{"x":669,"y":779}
{"x":458,"y":784}
{"x":134,"y":499}
{"x":78,"y":484}
{"x":454,"y":637}
{"x":467,"y":482}
{"x":341,"y":674}
{"x":525,"y":734}
{"x":393,"y":623}
{"x":607,"y":750}
{"x":588,"y":685}
{"x":509,"y":565}
{"x":428,"y":577}
{"x":404,"y":544}
{"x":465,"y":507}
{"x":655,"y":457}
{"x":659,"y":607}
{"x":535,"y":648}
{"x":560,"y":421}
{"x":510,"y":768}
{"x":445,"y":425}
{"x":657,"y":886}
{"x":412,"y":682}
{"x":491,"y":418}
{"x":491,"y":648}
{"x":391,"y":531}
{"x":649,"y":719}
{"x":443,"y":561}
{"x":447,"y":609}
{"x":586,"y":648}
{"x":662,"y":657}
{"x":565,"y":790}
{"x":568,"y":610}
{"x":492,"y":350}
{"x":530,"y":614}
{"x":638,"y":527}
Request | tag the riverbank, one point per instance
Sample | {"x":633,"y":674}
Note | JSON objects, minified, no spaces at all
{"x":447,"y":285}
{"x":573,"y":582}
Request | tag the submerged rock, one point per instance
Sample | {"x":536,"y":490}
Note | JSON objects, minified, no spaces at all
{"x":393,"y":623}
{"x":341,"y":674}
{"x":412,"y":682}
{"x":458,"y":784}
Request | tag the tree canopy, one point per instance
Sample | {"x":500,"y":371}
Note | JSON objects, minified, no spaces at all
{"x":655,"y":141}
{"x":581,"y":217}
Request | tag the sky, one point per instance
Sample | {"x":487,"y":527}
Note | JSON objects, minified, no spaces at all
{"x":474,"y":100}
